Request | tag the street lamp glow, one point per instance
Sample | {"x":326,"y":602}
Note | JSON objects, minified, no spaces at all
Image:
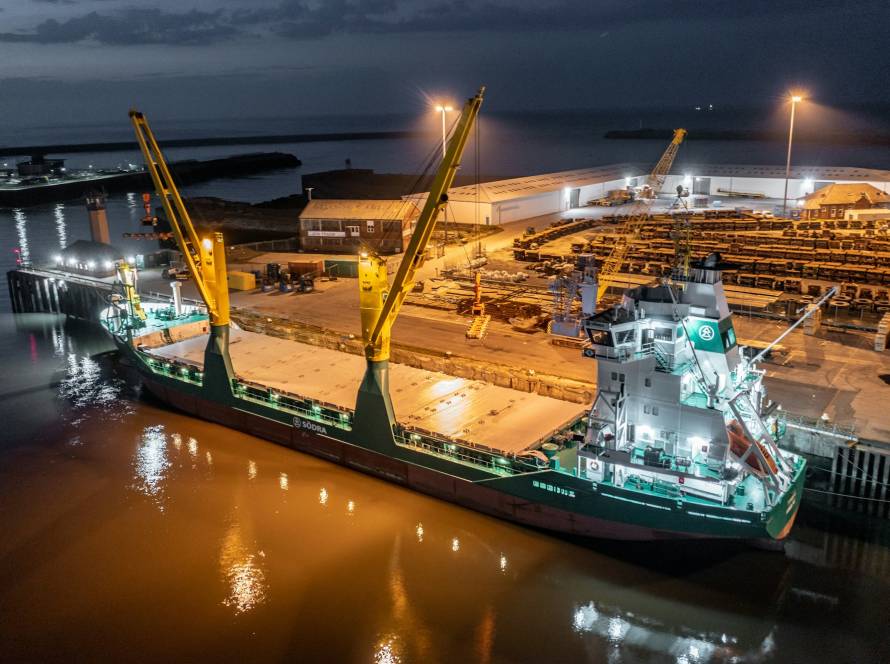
{"x":795,"y":100}
{"x":443,"y":109}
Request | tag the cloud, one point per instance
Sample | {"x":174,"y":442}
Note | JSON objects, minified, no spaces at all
{"x":131,"y":27}
{"x":313,"y":19}
{"x":301,"y":19}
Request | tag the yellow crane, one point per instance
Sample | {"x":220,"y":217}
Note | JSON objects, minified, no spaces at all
{"x":381,"y":302}
{"x":630,"y":231}
{"x":205,"y":257}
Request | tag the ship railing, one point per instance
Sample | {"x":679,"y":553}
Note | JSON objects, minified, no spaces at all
{"x":174,"y":368}
{"x":454,"y":452}
{"x":620,"y":353}
{"x":323,"y":413}
{"x":166,"y":297}
{"x":816,"y":425}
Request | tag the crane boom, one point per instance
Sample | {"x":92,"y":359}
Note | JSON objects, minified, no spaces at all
{"x":380,"y":302}
{"x":630,"y":231}
{"x":205,"y":258}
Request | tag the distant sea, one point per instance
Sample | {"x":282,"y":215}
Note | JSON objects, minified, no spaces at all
{"x":509,"y":144}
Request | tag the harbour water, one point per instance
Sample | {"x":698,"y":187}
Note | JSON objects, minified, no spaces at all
{"x":133,"y":533}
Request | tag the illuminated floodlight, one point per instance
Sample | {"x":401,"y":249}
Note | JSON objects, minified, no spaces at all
{"x":131,"y":260}
{"x":58,"y":259}
{"x":207,"y":243}
{"x":443,"y":109}
{"x":796,"y":99}
{"x":91,"y":265}
{"x":107,"y":265}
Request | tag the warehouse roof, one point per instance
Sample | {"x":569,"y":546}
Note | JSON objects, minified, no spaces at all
{"x":543,"y":183}
{"x":358,"y":209}
{"x":533,"y":185}
{"x":846,"y":194}
{"x":778,"y":171}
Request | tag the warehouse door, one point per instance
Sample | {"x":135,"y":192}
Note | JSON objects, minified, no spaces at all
{"x":574,"y":199}
{"x":701,"y":187}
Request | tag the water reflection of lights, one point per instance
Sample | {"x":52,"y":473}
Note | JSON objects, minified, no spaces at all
{"x":455,"y":544}
{"x":323,"y":496}
{"x":283,"y":482}
{"x":177,"y":441}
{"x":209,"y":458}
{"x":626,"y":629}
{"x":386,"y":652}
{"x":419,"y":531}
{"x":61,"y":228}
{"x":193,"y":448}
{"x":584,"y":618}
{"x":618,"y":628}
{"x":251,"y":469}
{"x":503,"y":563}
{"x":350,"y":507}
{"x":151,"y":462}
{"x":84,"y":387}
{"x":243,"y":572}
{"x":21,"y":229}
{"x":60,"y":347}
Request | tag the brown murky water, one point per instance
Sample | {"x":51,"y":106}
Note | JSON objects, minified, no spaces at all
{"x":131,"y":533}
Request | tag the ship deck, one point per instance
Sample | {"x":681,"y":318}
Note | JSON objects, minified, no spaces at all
{"x":499,"y":418}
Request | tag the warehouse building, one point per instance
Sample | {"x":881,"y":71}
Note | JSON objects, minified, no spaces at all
{"x":753,"y":181}
{"x":504,"y":201}
{"x":834,"y":200}
{"x":345,"y":226}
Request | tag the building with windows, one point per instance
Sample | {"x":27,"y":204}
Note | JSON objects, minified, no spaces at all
{"x":504,"y":201}
{"x":346,"y":226}
{"x":834,"y":200}
{"x":95,"y":259}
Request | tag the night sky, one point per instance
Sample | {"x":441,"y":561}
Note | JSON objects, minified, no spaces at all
{"x":86,"y":60}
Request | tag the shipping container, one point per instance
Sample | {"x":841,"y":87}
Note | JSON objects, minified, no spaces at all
{"x":341,"y":267}
{"x":241,"y":281}
{"x":297,"y":268}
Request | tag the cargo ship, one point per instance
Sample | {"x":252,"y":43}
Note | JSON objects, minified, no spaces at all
{"x":677,"y":444}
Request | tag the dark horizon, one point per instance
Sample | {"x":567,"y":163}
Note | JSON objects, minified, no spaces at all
{"x":86,"y":60}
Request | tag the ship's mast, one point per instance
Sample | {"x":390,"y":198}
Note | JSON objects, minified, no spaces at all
{"x":204,"y":257}
{"x":381,"y":302}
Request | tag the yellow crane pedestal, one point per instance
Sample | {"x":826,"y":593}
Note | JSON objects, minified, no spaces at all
{"x":205,"y":259}
{"x":381,"y":301}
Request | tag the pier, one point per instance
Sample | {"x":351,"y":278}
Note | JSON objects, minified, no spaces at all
{"x":189,"y":171}
{"x":56,"y":292}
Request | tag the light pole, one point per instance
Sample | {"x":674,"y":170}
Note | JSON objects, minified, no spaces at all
{"x":443,"y":110}
{"x":795,"y":100}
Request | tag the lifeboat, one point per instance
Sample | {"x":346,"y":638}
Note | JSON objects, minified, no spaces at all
{"x":739,"y":444}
